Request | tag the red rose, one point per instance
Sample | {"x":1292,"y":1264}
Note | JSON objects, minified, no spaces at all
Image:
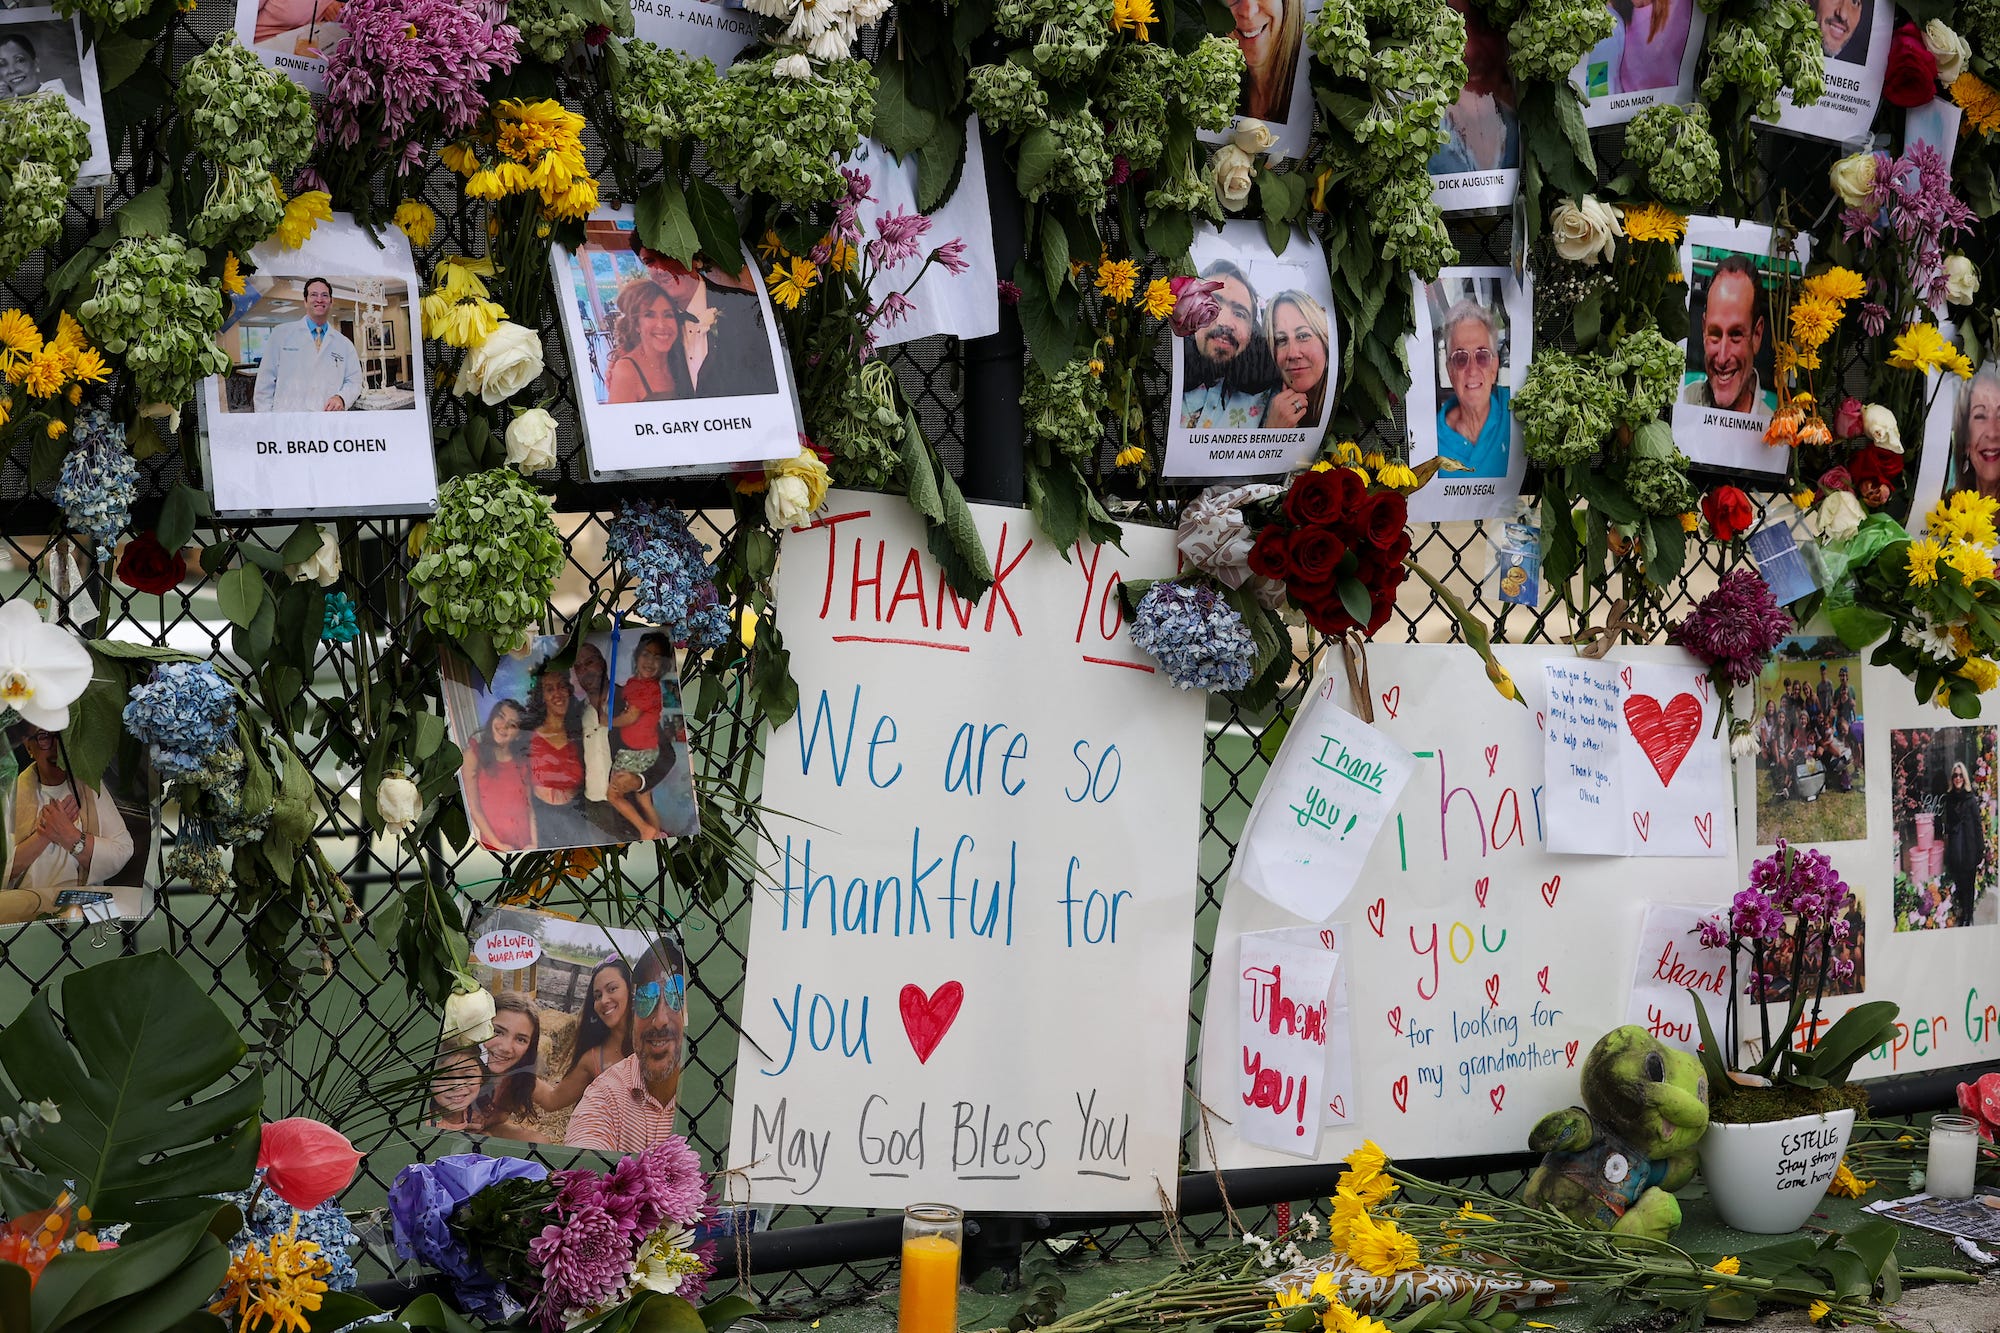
{"x":1873,"y":463}
{"x":1329,"y":617}
{"x":1729,"y":512}
{"x":1314,"y":553}
{"x":1911,"y":80}
{"x":1314,"y":499}
{"x":147,"y":566}
{"x":1397,"y":552}
{"x":1384,"y":519}
{"x":1381,"y":606}
{"x":1268,"y":555}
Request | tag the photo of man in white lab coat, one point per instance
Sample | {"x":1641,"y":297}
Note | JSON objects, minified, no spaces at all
{"x":308,"y":365}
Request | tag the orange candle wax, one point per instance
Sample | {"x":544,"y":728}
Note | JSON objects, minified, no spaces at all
{"x":928,"y":1301}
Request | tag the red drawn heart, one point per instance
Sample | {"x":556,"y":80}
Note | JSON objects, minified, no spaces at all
{"x":1480,"y":887}
{"x":926,"y":1018}
{"x":1550,"y":888}
{"x":1626,"y":676}
{"x":1701,"y":683}
{"x":1705,"y":826}
{"x":1378,"y":912}
{"x":1399,"y":1091}
{"x":1391,"y":698}
{"x":1498,"y":1095}
{"x":1542,"y":978}
{"x":1492,"y":759}
{"x":1541,"y":722}
{"x":1570,"y":1051}
{"x":1326,"y":938}
{"x":1493,"y":989}
{"x":1643,"y":821}
{"x":1338,"y":1106}
{"x":1664,"y":734}
{"x":1396,"y":1020}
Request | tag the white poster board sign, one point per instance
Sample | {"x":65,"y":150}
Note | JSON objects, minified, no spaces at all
{"x":987,"y":834}
{"x":325,"y":410}
{"x":1296,"y":1064}
{"x":1474,"y":1001}
{"x":963,"y":305}
{"x":1728,"y":394}
{"x":1855,"y":35}
{"x":1673,"y":961}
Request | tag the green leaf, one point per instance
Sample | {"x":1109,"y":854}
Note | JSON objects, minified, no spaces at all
{"x":146,"y":214}
{"x":1051,"y":338}
{"x":240,"y":593}
{"x":1872,"y":1241}
{"x":1354,"y":599}
{"x":661,"y":214}
{"x":15,"y":1285}
{"x":955,"y":545}
{"x":715,"y":223}
{"x":96,"y":724}
{"x":940,"y":165}
{"x":771,"y":675}
{"x":428,"y":1312}
{"x":338,"y":1309}
{"x":145,"y":1284}
{"x":1277,"y":233}
{"x":1169,"y":234}
{"x":1055,"y":254}
{"x":1037,"y":157}
{"x":137,"y":1079}
{"x":179,"y":512}
{"x":667,"y":1314}
{"x":426,"y":734}
{"x":118,"y":57}
{"x":718,"y":1315}
{"x":138,"y":652}
{"x":901,"y":126}
{"x":300,"y":546}
{"x":1711,"y":1049}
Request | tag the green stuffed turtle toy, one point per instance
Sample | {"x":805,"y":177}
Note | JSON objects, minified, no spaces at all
{"x":1610,"y":1163}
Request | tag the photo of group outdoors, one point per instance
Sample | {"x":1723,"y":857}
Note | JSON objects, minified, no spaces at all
{"x":1810,"y":785}
{"x":320,"y":343}
{"x":582,"y":753}
{"x":1479,"y":163}
{"x":1945,"y":798}
{"x":76,"y":851}
{"x":43,"y":51}
{"x":587,"y":1039}
{"x":1846,"y":963}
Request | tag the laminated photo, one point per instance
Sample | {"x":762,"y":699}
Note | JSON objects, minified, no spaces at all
{"x":588,"y":1041}
{"x":1855,"y":36}
{"x":41,"y":51}
{"x":1648,"y":60}
{"x":291,"y":36}
{"x":1271,"y":34}
{"x":1468,"y":358}
{"x":323,"y":411}
{"x":76,"y":851}
{"x":1728,"y":392}
{"x":1479,"y":166}
{"x":678,"y":367}
{"x":1254,"y":390}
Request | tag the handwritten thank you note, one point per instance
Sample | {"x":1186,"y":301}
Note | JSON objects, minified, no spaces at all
{"x":1672,"y":961}
{"x":1635,"y":765}
{"x":1294,"y":1026}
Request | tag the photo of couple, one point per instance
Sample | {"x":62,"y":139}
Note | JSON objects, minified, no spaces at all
{"x":582,"y":753}
{"x":76,"y":852}
{"x":588,"y":1035}
{"x":1266,"y":362}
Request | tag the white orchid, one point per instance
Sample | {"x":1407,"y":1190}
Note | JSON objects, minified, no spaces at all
{"x":43,"y":668}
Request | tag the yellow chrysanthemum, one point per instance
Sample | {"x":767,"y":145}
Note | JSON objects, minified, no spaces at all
{"x":232,"y":276}
{"x":46,"y":372}
{"x":1836,"y":284}
{"x":1804,"y":497}
{"x":1096,"y":367}
{"x":1690,"y":522}
{"x":19,"y":339}
{"x":302,"y":215}
{"x":57,"y":428}
{"x":1347,"y":451}
{"x":840,"y":256}
{"x":1116,"y":278}
{"x":1814,"y":318}
{"x":1922,"y":347}
{"x":1978,"y":100}
{"x":1397,"y":477}
{"x":1159,"y":299}
{"x":1846,"y":1184}
{"x":1347,"y":1210}
{"x":1984,"y":675}
{"x":69,"y":333}
{"x":1381,"y":1247}
{"x":1133,"y":16}
{"x":1818,"y":1311}
{"x":1791,"y":358}
{"x":1924,"y":562}
{"x":460,"y":158}
{"x":1972,"y":562}
{"x":790,"y":281}
{"x":770,"y":247}
{"x":6,"y":409}
{"x":417,"y":219}
{"x":1970,"y":516}
{"x":1131,"y":456}
{"x":1729,"y":1265}
{"x":1654,"y":222}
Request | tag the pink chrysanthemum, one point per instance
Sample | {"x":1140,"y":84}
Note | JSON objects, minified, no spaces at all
{"x":1734,"y":628}
{"x":585,"y":1262}
{"x":409,"y":71}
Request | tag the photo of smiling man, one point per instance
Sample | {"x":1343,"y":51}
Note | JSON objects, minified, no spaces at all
{"x":1855,"y":63}
{"x":1728,"y":336}
{"x":1844,"y":27}
{"x":1729,"y":391}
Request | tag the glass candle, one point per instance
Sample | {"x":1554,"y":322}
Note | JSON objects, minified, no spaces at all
{"x":933,"y":1235}
{"x":1953,"y":1158}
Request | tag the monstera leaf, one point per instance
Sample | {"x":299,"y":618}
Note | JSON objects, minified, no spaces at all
{"x":136,"y":1083}
{"x":156,"y":1280}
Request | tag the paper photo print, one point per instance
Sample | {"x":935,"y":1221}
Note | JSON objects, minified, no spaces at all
{"x":323,"y":409}
{"x":589,"y":1036}
{"x":1944,"y":798}
{"x":77,"y":851}
{"x":681,"y":367}
{"x":712,"y":28}
{"x":586,"y":754}
{"x":1254,"y":390}
{"x":1648,"y":60}
{"x":1727,"y":395}
{"x":43,"y":52}
{"x":1855,"y":35}
{"x":1811,"y":785}
{"x":1468,"y":357}
{"x":1479,"y":166}
{"x":1845,"y":957}
{"x":1272,"y":37}
{"x":292,"y":36}
{"x":1973,"y":463}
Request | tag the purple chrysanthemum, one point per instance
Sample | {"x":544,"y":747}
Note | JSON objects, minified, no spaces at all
{"x":1734,"y":628}
{"x":585,"y":1262}
{"x":896,"y":307}
{"x":902,"y":234}
{"x":407,"y":71}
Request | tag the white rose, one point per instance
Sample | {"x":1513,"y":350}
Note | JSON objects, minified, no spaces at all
{"x":1586,"y":231}
{"x":507,"y":362}
{"x":1252,"y":136}
{"x":1233,"y":171}
{"x":1951,"y":50}
{"x":322,"y":566}
{"x":468,"y":1018}
{"x":1961,"y":280}
{"x":398,"y":802}
{"x":1854,"y":179}
{"x":786,"y":501}
{"x":1837,"y":516}
{"x":794,"y":66}
{"x":1878,"y":423}
{"x":531,"y":440}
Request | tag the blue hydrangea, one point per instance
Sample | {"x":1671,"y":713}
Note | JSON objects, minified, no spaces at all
{"x":1197,"y":637}
{"x":99,"y":482}
{"x":339,"y":624}
{"x":673,"y":585}
{"x":186,"y":713}
{"x":326,"y":1226}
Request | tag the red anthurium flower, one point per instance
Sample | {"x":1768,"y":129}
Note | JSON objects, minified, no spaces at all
{"x":305,"y":1162}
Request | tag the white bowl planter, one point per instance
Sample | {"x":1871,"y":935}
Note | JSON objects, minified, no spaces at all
{"x":1768,"y":1178}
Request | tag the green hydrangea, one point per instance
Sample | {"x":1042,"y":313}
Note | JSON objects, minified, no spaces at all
{"x":1660,"y":486}
{"x":241,"y":209}
{"x":663,"y":95}
{"x":240,"y":114}
{"x":786,"y":137}
{"x":1566,"y":408}
{"x":151,"y":305}
{"x":1014,"y":18}
{"x":1068,"y":52}
{"x":1676,"y":149}
{"x":1082,"y":169}
{"x":1979,"y":23}
{"x":1416,"y":48}
{"x":108,"y":15}
{"x":42,"y":144}
{"x":1654,"y":366}
{"x":1404,"y":131}
{"x":1065,"y":408}
{"x":1133,"y":103}
{"x":1409,"y":228}
{"x":1209,"y":82}
{"x":1777,"y":48}
{"x":1008,"y":97}
{"x":1551,"y":36}
{"x":552,"y":28}
{"x":857,"y":418}
{"x":489,"y":559}
{"x":1184,"y":189}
